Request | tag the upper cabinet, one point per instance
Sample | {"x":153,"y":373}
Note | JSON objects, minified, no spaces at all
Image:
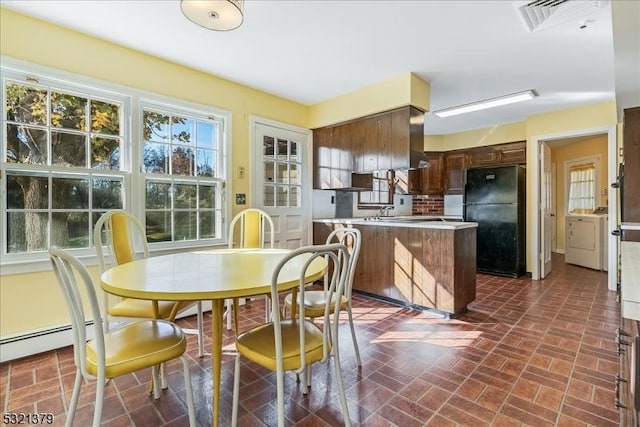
{"x":456,"y":164}
{"x":431,"y":177}
{"x":495,"y":155}
{"x":458,"y":161}
{"x":379,"y":142}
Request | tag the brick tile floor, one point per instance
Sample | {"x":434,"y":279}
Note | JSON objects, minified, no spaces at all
{"x":536,"y":353}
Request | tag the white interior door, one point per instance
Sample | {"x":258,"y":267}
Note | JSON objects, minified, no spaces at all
{"x":546,"y":206}
{"x":281,"y":180}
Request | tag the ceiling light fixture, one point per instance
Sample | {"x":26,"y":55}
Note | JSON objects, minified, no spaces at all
{"x":487,"y":103}
{"x":218,"y":15}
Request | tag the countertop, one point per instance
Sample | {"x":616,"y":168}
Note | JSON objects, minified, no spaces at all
{"x":415,"y":221}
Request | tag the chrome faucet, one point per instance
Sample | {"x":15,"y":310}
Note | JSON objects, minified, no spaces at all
{"x":382,"y":211}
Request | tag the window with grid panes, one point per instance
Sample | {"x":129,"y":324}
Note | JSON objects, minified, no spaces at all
{"x":182,"y":163}
{"x":63,"y":162}
{"x":282,"y":166}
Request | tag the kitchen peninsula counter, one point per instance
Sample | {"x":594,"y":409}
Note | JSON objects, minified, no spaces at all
{"x":418,"y":261}
{"x":408,"y":221}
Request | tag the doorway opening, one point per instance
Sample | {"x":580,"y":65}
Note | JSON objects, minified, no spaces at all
{"x":549,"y":219}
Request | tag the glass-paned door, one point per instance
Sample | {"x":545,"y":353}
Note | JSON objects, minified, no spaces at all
{"x":282,"y":182}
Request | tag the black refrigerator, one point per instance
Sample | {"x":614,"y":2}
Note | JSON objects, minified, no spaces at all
{"x":494,"y":197}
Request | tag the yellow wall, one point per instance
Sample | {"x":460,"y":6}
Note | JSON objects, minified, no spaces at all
{"x":406,"y":89}
{"x":498,"y":134}
{"x":32,"y":301}
{"x":596,"y":146}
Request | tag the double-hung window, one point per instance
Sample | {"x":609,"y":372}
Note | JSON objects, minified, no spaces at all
{"x":183,"y":168}
{"x":73,"y":148}
{"x":582,"y":188}
{"x":63,"y":160}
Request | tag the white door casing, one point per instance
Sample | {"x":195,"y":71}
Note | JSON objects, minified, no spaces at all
{"x":281,"y":179}
{"x":546,"y":191}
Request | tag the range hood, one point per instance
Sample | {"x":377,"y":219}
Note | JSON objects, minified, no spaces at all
{"x":418,"y":160}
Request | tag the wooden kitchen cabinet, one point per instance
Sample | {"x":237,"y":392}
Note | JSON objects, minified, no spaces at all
{"x":378,"y":142}
{"x":456,"y":164}
{"x":428,"y":267}
{"x":496,"y":155}
{"x":484,"y":156}
{"x":631,"y":153}
{"x":431,"y":178}
{"x":322,"y":157}
{"x":513,"y":153}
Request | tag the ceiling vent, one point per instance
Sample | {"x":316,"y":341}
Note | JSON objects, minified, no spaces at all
{"x":541,"y":14}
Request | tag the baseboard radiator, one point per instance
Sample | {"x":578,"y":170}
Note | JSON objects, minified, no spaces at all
{"x":30,"y":343}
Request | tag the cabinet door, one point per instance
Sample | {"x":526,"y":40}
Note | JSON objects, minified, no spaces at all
{"x":367,"y":267}
{"x":484,"y":156}
{"x":322,"y":158}
{"x":383,"y":122}
{"x":400,"y":138}
{"x":431,"y":177}
{"x":515,"y":153}
{"x":456,"y":166}
{"x":370,"y":146}
{"x":340,"y":158}
{"x":356,"y":134}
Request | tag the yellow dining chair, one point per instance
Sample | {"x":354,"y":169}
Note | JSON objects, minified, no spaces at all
{"x":116,"y":231}
{"x":133,"y":347}
{"x":315,"y":301}
{"x":252,"y":224}
{"x":295,"y":344}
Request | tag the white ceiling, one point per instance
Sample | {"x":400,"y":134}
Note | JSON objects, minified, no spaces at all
{"x":311,"y":51}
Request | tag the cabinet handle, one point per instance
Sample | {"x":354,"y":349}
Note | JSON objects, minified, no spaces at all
{"x":617,"y":232}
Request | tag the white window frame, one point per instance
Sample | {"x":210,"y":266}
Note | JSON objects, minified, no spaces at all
{"x":222,"y":180}
{"x":568,"y":164}
{"x":131,"y":166}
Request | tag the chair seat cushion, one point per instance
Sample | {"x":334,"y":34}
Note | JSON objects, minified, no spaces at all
{"x":258,"y":344}
{"x":130,"y":307}
{"x":137,"y":346}
{"x":315,"y":302}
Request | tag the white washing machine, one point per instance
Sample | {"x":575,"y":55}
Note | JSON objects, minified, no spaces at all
{"x":586,"y":241}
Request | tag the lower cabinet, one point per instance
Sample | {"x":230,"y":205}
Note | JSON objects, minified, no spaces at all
{"x":428,"y":267}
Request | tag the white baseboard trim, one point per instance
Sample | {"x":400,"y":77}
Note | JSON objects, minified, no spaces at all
{"x":558,"y":251}
{"x":27,"y":344}
{"x":34,"y":342}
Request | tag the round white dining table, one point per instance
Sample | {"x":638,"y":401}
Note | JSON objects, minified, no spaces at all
{"x":208,"y":275}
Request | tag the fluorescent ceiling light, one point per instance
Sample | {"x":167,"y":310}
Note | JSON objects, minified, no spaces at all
{"x":487,"y":103}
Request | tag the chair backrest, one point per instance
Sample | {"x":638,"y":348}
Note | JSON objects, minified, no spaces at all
{"x":116,"y":231}
{"x":351,"y":238}
{"x":336,"y":256}
{"x":68,"y":269}
{"x":252,"y":224}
